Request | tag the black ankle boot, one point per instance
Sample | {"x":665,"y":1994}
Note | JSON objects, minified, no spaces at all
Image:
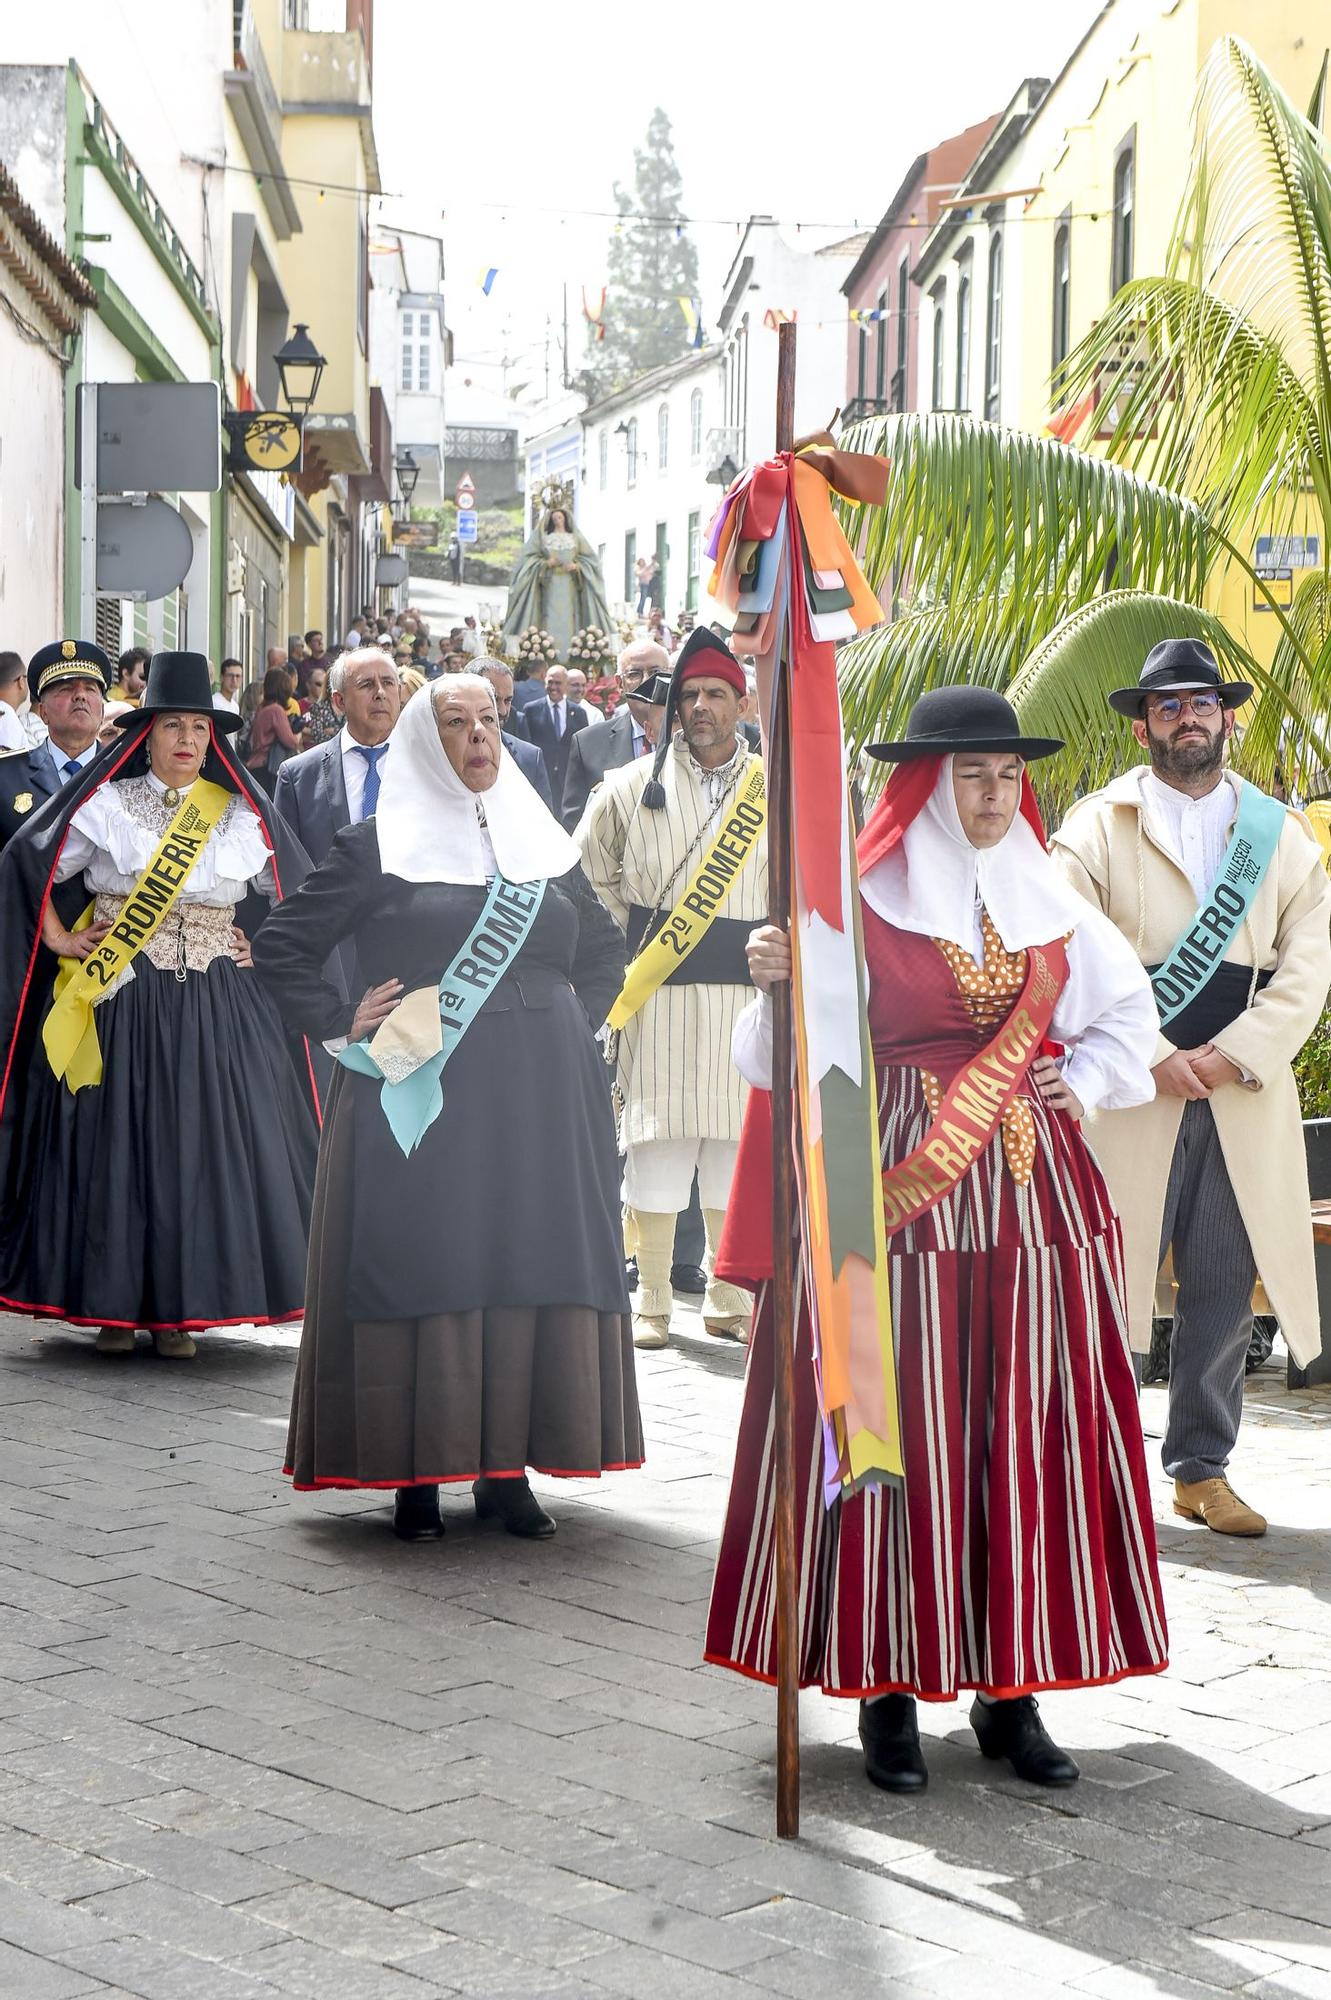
{"x":1013,"y":1729}
{"x":891,"y":1739}
{"x":513,"y":1502}
{"x":416,"y":1514}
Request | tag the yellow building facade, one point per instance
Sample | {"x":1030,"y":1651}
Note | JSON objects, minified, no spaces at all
{"x":1111,"y":167}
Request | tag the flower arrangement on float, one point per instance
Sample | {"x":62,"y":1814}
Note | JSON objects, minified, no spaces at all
{"x":591,"y":648}
{"x":536,"y":646}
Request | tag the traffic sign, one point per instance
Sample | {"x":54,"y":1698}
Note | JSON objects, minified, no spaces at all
{"x":466,"y":529}
{"x":465,"y":494}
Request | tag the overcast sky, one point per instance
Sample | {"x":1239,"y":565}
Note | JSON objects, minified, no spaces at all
{"x":502,"y":123}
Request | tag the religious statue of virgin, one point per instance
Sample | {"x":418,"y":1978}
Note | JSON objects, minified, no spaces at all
{"x":557,"y":583}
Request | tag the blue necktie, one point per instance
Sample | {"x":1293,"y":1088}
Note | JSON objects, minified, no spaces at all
{"x":370,"y":796}
{"x":72,"y":767}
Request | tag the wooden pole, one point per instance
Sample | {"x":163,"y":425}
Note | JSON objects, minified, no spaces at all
{"x":783,"y":1207}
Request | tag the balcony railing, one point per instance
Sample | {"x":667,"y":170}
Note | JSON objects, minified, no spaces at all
{"x":860,"y":407}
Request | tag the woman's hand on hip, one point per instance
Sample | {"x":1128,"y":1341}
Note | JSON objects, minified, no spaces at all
{"x":241,"y":950}
{"x":376,"y":1004}
{"x":78,"y":944}
{"x":768,"y":953}
{"x":1053,"y":1089}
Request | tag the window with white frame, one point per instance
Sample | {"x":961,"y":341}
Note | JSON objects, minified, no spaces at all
{"x":416,"y":345}
{"x":938,"y":299}
{"x":695,"y":425}
{"x":603,"y":457}
{"x":663,"y":437}
{"x":631,"y":451}
{"x":993,"y":330}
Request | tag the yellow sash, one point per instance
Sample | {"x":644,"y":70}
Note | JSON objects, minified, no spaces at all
{"x":691,"y":917}
{"x":69,"y":1031}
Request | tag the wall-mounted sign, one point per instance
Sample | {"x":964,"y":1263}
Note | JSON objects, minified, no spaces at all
{"x":389,"y":571}
{"x":1280,"y":583}
{"x":466,"y":528}
{"x":1287,"y":552}
{"x":263,"y":441}
{"x":153,"y":437}
{"x":144,"y":549}
{"x":415,"y":534}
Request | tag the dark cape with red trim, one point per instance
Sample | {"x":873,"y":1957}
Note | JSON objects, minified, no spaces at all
{"x":131,"y":1202}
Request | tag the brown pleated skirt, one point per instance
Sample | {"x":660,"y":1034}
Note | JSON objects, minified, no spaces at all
{"x":492,"y":1390}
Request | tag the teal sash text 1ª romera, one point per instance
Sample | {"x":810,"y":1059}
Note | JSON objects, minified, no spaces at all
{"x":412,"y":1095}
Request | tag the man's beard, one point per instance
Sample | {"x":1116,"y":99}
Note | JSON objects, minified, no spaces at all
{"x":1196,"y":759}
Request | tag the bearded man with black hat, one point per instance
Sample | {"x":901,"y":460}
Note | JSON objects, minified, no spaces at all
{"x":137,"y":1047}
{"x":1222,"y":894}
{"x":68,"y":682}
{"x":676,"y":848}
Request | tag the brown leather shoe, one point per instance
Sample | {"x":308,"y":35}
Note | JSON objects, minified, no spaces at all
{"x":1215,"y":1502}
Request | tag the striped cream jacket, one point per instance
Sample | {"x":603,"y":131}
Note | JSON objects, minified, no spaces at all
{"x":675,"y":1073}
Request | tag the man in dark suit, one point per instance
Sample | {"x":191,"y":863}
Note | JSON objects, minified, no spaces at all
{"x":337,"y":783}
{"x":630,"y":732}
{"x":68,"y":681}
{"x":552,"y":725}
{"x":523,"y":752}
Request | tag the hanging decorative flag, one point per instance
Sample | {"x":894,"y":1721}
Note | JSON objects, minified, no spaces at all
{"x":864,"y":315}
{"x":485,"y":279}
{"x":595,"y":314}
{"x":692,"y":311}
{"x":776,"y":316}
{"x":1065,"y":423}
{"x":786,"y":571}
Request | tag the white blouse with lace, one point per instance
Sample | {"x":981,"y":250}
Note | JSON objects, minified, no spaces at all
{"x":115,"y":833}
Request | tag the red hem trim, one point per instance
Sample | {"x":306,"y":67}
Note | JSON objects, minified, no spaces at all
{"x":448,"y":1478}
{"x":922,"y":1694}
{"x":154,"y":1325}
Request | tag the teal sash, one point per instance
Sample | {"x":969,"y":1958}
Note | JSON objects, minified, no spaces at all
{"x":1194,"y":959}
{"x":412,"y":1095}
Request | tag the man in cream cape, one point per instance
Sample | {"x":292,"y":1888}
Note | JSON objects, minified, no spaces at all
{"x":1214,"y":1167}
{"x":645,"y":833}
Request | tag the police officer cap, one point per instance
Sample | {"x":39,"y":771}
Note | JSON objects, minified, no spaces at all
{"x":67,"y":660}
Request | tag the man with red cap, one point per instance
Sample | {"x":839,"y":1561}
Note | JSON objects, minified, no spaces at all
{"x":676,"y":848}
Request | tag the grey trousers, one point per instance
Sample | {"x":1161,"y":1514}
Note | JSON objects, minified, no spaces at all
{"x":1215,"y":1271}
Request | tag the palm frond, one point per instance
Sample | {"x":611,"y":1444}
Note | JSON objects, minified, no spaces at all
{"x":1255,"y":227}
{"x":1212,"y":409}
{"x":976,"y":511}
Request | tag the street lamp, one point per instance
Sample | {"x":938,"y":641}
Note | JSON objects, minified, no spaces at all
{"x":408,"y":472}
{"x":300,"y":367}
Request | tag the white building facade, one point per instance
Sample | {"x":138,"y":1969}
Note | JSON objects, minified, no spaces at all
{"x":770,"y":274}
{"x":646,"y":457}
{"x":409,"y":348}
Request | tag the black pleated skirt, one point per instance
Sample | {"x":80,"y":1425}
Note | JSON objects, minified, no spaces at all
{"x":469,"y":1388}
{"x":176,"y":1193}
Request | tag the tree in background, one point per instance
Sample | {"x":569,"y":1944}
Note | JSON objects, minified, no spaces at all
{"x":652,"y":264}
{"x":1050,"y":572}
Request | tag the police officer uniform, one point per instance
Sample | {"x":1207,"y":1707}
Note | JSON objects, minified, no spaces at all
{"x":28,"y":780}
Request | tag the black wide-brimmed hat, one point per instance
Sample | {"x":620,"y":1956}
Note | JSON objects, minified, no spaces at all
{"x":179,"y":684}
{"x":948,"y":719}
{"x":1178,"y":666}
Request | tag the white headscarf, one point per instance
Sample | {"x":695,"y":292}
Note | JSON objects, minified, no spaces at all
{"x":429,"y":825}
{"x":933,"y":882}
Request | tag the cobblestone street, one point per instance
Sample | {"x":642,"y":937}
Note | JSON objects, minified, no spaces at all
{"x":251,"y":1745}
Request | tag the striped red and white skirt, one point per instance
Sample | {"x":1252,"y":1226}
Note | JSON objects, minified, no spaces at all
{"x":1021,"y":1553}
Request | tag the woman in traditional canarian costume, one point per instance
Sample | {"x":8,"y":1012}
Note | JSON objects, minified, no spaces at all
{"x":158,"y":1130}
{"x":468,"y":1311}
{"x":1018,"y":1555}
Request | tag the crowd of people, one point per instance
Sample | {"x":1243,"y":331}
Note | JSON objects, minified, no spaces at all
{"x":280,"y":954}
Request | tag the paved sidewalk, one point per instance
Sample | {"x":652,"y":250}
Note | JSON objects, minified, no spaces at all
{"x":251,"y":1745}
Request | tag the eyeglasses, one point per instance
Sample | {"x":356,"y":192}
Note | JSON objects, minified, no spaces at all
{"x":1169,"y":707}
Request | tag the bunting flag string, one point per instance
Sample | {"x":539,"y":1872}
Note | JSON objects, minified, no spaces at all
{"x":776,"y":316}
{"x":595,"y":315}
{"x":784,"y":568}
{"x":485,"y":279}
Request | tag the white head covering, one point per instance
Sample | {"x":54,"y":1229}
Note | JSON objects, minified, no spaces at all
{"x":934,"y":881}
{"x":432,"y":829}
